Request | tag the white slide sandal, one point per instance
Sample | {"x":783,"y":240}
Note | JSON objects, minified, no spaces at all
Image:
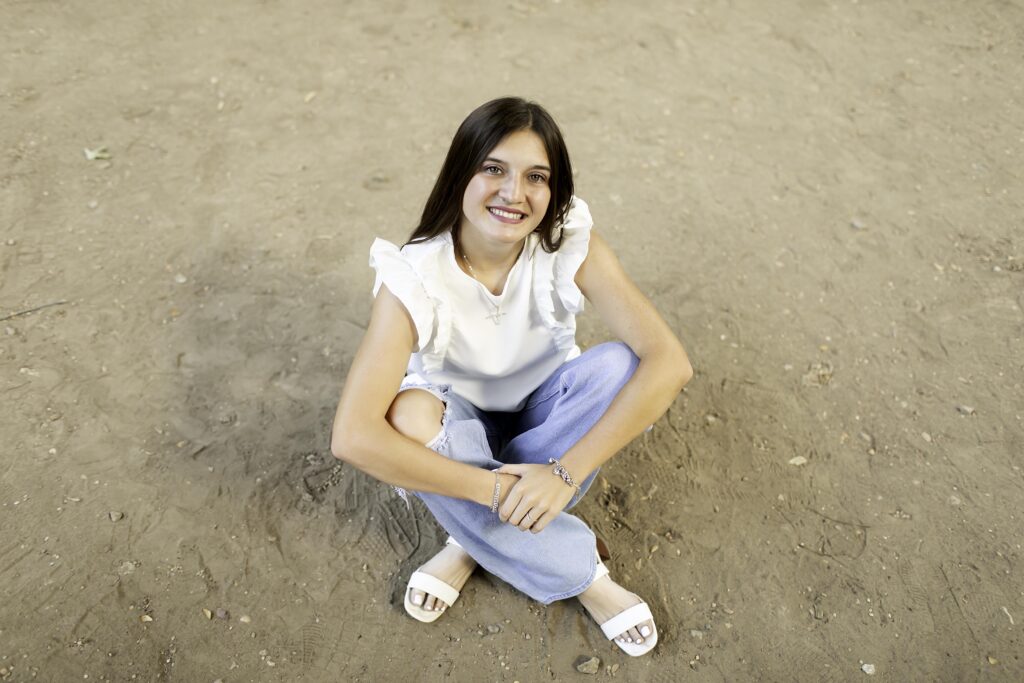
{"x":433,"y":586}
{"x":627,"y":619}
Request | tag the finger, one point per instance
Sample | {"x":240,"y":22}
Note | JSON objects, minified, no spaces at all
{"x":509,"y":506}
{"x":519,"y":514}
{"x":527,"y":521}
{"x":544,"y":520}
{"x":513,"y":468}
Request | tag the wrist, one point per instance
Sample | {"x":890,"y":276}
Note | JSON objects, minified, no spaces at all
{"x":562,"y":472}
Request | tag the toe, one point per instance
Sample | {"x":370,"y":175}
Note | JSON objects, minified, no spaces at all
{"x":635,"y":635}
{"x":416,"y":596}
{"x":647,"y":629}
{"x":428,"y":603}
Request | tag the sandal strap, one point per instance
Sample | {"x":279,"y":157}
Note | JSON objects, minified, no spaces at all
{"x":422,"y":581}
{"x":600,"y":571}
{"x":625,"y":620}
{"x":452,"y":541}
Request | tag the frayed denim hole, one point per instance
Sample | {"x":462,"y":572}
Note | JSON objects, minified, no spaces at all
{"x":440,"y":391}
{"x":439,"y":442}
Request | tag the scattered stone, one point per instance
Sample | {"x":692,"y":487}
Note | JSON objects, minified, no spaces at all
{"x":992,"y":660}
{"x":493,"y":628}
{"x":96,"y":154}
{"x":115,"y":516}
{"x":587,"y":665}
{"x":857,"y":224}
{"x":869,"y":669}
{"x":145,"y":618}
{"x":695,"y":633}
{"x":245,"y":619}
{"x":926,"y":436}
{"x":207,"y":613}
{"x":798,"y":460}
{"x":965,"y":410}
{"x":222,"y":613}
{"x":180,"y":279}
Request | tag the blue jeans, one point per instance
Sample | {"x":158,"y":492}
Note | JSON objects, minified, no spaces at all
{"x":560,"y":561}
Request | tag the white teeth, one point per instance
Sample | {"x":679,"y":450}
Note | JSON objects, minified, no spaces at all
{"x":506,"y":214}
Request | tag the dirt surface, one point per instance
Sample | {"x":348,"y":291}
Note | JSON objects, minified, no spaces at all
{"x":823,"y":199}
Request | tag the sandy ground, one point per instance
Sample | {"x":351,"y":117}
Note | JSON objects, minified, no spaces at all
{"x":824,"y":200}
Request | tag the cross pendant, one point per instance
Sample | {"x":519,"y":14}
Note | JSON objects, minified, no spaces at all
{"x":496,"y":316}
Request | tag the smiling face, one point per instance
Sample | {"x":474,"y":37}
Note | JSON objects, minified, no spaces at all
{"x":509,"y":193}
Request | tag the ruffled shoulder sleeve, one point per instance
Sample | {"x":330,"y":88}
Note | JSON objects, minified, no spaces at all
{"x":572,"y":253}
{"x":396,"y":271}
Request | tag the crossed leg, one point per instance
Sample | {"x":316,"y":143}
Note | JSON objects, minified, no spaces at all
{"x":416,"y":414}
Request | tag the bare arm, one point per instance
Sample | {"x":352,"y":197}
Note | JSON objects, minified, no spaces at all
{"x":664,"y":366}
{"x":664,"y":369}
{"x":361,"y":435}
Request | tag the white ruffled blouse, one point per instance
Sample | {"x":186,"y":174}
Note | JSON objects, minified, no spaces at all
{"x":495,"y":366}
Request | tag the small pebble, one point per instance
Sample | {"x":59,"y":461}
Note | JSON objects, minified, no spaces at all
{"x":493,"y":628}
{"x":222,"y":613}
{"x":926,"y":436}
{"x":180,"y":279}
{"x":115,"y":516}
{"x":857,"y":224}
{"x":245,"y":619}
{"x":588,"y":665}
{"x":207,"y":613}
{"x":965,"y":410}
{"x":798,"y":460}
{"x":145,"y":618}
{"x":869,"y":669}
{"x":992,"y":660}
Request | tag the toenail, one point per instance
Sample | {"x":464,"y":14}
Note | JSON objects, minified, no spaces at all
{"x":639,"y":640}
{"x":417,"y":599}
{"x":629,"y":640}
{"x":645,"y":631}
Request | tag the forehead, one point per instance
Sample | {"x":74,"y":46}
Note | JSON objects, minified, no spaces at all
{"x":523,"y":147}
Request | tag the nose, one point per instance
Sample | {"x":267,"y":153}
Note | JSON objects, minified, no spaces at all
{"x":512,"y":189}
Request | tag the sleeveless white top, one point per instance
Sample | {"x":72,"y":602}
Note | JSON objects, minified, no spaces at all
{"x":495,"y":366}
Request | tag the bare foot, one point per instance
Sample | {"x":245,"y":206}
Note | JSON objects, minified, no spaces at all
{"x":453,"y":565}
{"x":605,"y":599}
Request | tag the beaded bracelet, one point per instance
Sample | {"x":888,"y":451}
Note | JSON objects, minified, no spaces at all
{"x":497,"y":493}
{"x":563,"y":473}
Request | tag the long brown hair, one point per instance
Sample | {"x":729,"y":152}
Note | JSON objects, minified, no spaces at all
{"x":481,"y":132}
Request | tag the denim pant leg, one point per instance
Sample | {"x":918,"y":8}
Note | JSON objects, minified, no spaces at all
{"x":568,"y":404}
{"x":555,"y":564}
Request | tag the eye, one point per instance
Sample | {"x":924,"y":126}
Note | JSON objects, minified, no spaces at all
{"x":491,"y":169}
{"x":538,"y":178}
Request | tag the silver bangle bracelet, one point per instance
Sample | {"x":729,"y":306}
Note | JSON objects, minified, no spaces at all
{"x":563,"y":473}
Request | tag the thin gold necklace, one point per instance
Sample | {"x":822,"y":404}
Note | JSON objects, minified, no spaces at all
{"x":494,"y":317}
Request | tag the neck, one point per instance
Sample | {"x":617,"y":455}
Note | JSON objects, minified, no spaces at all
{"x":488,"y":258}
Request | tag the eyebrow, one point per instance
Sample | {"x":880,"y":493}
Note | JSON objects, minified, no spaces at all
{"x":540,"y":167}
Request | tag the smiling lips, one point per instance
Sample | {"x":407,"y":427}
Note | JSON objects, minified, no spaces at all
{"x":506,"y":215}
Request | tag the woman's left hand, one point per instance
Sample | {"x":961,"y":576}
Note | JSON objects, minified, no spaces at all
{"x":536,"y":499}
